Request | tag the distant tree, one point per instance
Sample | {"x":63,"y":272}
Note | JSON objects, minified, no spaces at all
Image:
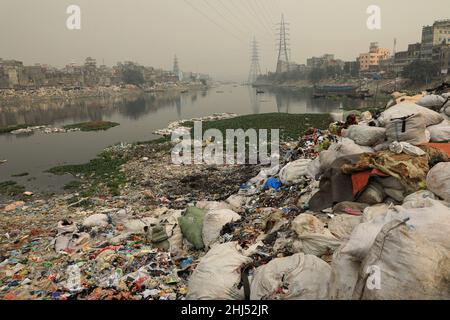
{"x":421,"y":71}
{"x":132,"y":76}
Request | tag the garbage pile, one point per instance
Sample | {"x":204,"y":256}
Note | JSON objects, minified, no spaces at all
{"x":374,"y":225}
{"x":358,"y":211}
{"x":178,"y":126}
{"x":44,"y":129}
{"x":9,"y":95}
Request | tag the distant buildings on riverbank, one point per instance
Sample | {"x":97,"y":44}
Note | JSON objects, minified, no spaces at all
{"x":434,"y":47}
{"x":15,"y":75}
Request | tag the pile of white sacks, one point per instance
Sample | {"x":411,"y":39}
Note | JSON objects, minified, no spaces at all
{"x":388,"y":252}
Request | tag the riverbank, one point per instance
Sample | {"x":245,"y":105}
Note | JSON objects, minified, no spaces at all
{"x":382,"y":87}
{"x":138,"y":179}
{"x":10,"y":97}
{"x":136,"y":226}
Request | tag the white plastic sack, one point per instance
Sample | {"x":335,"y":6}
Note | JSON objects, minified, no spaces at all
{"x":96,"y":220}
{"x":363,"y":236}
{"x":313,"y":168}
{"x":306,"y":277}
{"x":405,"y":109}
{"x":411,"y":130}
{"x":407,"y":266}
{"x":438,"y":180}
{"x":139,"y":226}
{"x":66,"y":227}
{"x":374,"y":211}
{"x":440,"y":132}
{"x":264,"y":174}
{"x":344,"y":148}
{"x":381,"y":146}
{"x":173,"y":230}
{"x":344,"y":276}
{"x":218,"y":274}
{"x":72,"y":241}
{"x":365,"y":135}
{"x":431,"y":220}
{"x":212,"y":205}
{"x":446,"y":109}
{"x":314,"y":238}
{"x":236,"y":202}
{"x":294,"y":171}
{"x":431,"y":101}
{"x":342,"y":225}
{"x":417,"y":199}
{"x":213,"y":223}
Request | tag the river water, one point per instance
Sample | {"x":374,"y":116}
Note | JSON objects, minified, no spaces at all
{"x":138,"y":116}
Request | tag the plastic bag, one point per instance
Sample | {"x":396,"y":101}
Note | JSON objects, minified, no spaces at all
{"x":314,"y":238}
{"x":405,"y":109}
{"x":213,"y":223}
{"x":294,"y":171}
{"x":217,"y":276}
{"x":300,"y":277}
{"x":406,"y":265}
{"x":440,"y":132}
{"x":410,"y":129}
{"x":438,"y":180}
{"x":192,"y":226}
{"x":365,"y":135}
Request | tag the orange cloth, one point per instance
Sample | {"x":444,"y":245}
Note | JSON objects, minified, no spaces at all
{"x":361,"y":179}
{"x":444,"y":146}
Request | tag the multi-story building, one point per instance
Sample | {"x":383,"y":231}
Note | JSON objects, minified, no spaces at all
{"x":414,"y":51}
{"x":441,"y":32}
{"x":370,"y":61}
{"x":441,"y":56}
{"x":351,"y":67}
{"x":90,"y":72}
{"x":324,"y":61}
{"x":434,"y":35}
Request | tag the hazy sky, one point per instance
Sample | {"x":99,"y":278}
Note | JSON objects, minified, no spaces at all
{"x":152,"y":31}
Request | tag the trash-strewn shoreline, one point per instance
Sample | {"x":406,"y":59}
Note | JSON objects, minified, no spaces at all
{"x":12,"y":97}
{"x":346,"y":196}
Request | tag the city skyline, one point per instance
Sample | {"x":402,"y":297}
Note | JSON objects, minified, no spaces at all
{"x":151,"y":33}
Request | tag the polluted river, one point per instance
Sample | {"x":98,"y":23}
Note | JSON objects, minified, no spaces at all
{"x":30,"y":156}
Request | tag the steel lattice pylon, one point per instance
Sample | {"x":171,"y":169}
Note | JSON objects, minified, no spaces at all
{"x":255,"y":69}
{"x":283,"y":47}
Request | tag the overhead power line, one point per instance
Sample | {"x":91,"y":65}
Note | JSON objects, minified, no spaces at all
{"x":214,"y":22}
{"x":250,"y":19}
{"x":217,"y":11}
{"x":266,"y":15}
{"x":235,"y":14}
{"x":256,"y":15}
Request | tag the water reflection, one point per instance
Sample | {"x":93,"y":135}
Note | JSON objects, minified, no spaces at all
{"x":139,"y":116}
{"x":93,"y":109}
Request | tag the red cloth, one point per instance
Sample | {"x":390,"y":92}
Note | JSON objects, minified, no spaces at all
{"x":361,"y":179}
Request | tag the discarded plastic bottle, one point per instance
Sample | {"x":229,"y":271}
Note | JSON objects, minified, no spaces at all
{"x":74,"y":278}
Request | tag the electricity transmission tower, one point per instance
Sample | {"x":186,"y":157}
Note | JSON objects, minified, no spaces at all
{"x":176,"y":68}
{"x":255,"y":69}
{"x":283,"y":47}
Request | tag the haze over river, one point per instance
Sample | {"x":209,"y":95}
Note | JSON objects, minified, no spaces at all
{"x":139,"y":117}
